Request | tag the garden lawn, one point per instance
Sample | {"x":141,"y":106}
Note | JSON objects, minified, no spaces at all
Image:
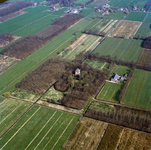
{"x":121,"y":70}
{"x":40,"y":128}
{"x":138,"y":92}
{"x":10,"y":111}
{"x":110,"y":91}
{"x":133,"y":51}
{"x":136,"y":16}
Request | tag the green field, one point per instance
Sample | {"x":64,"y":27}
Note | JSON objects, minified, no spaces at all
{"x":111,"y":91}
{"x":81,"y":1}
{"x":112,"y":46}
{"x":97,"y":64}
{"x":10,"y":111}
{"x":86,"y":12}
{"x":95,"y":14}
{"x":16,"y":23}
{"x":148,"y":18}
{"x":142,"y":3}
{"x":138,"y":92}
{"x":89,"y":44}
{"x":40,"y":128}
{"x":60,"y":12}
{"x":136,"y":16}
{"x":116,"y":15}
{"x":133,"y":51}
{"x":91,"y":6}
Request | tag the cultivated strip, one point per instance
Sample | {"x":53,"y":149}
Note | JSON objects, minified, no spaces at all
{"x":10,"y":113}
{"x":5,"y":107}
{"x":41,"y":130}
{"x":48,"y":131}
{"x":62,"y":133}
{"x":20,"y":128}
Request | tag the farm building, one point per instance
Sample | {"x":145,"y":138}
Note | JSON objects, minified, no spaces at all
{"x":115,"y":77}
{"x":77,"y":72}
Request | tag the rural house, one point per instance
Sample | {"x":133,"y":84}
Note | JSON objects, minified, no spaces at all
{"x":115,"y":77}
{"x":77,"y":72}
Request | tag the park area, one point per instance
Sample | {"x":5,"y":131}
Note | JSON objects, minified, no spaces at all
{"x":126,"y":29}
{"x":138,"y":92}
{"x":111,"y":90}
{"x":39,"y":128}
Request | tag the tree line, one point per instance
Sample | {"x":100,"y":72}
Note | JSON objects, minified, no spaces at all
{"x":6,"y":37}
{"x":11,"y":8}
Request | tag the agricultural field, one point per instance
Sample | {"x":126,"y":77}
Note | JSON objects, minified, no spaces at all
{"x":25,"y":95}
{"x":32,"y":15}
{"x":142,"y":3}
{"x":60,"y":12}
{"x":87,"y":135}
{"x":133,"y":51}
{"x":125,"y":29}
{"x":86,"y":12}
{"x":136,"y":16}
{"x":138,"y":92}
{"x":91,"y":6}
{"x":116,"y":15}
{"x":11,"y":110}
{"x":111,"y":91}
{"x":52,"y":94}
{"x":81,"y":1}
{"x":40,"y":128}
{"x":113,"y":47}
{"x":145,"y":57}
{"x":89,"y":43}
{"x":6,"y":63}
{"x":143,"y":31}
{"x":98,"y":64}
{"x":98,"y":2}
{"x":95,"y":15}
{"x":120,"y":138}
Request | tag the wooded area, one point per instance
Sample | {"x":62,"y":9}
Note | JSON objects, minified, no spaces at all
{"x":29,"y":44}
{"x":11,"y":8}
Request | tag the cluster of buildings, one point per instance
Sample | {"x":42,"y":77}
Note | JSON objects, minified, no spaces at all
{"x":116,"y":78}
{"x":72,"y":11}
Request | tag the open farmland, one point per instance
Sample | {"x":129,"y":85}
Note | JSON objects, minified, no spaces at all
{"x":87,"y":135}
{"x":40,"y":128}
{"x":136,"y":16}
{"x":97,"y":64}
{"x":125,"y":29}
{"x":86,"y":12}
{"x":116,"y":15}
{"x":98,"y":2}
{"x":145,"y":57}
{"x":10,"y":111}
{"x":119,"y":138}
{"x":133,"y":51}
{"x":16,"y":23}
{"x":111,"y":91}
{"x":140,"y":82}
{"x":81,"y":1}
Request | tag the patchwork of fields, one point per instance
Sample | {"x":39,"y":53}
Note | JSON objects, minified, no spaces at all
{"x":39,"y":128}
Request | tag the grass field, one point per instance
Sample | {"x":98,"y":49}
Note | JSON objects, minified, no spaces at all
{"x":87,"y":135}
{"x":136,"y":16}
{"x":144,"y":30}
{"x":138,"y":92}
{"x":25,"y":95}
{"x":133,"y":51}
{"x":148,"y":18}
{"x":112,"y":46}
{"x":97,"y":64}
{"x":10,"y":111}
{"x":98,"y":2}
{"x":40,"y":128}
{"x":142,"y":3}
{"x":116,"y":15}
{"x":91,"y":6}
{"x":60,"y":12}
{"x":81,"y":1}
{"x":16,"y":23}
{"x":111,"y":91}
{"x":86,"y":12}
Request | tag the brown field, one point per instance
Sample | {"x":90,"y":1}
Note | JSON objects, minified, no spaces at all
{"x":13,"y":15}
{"x":6,"y":62}
{"x":87,"y":135}
{"x":126,"y":29}
{"x":120,"y":138}
{"x":78,"y":41}
{"x":145,"y":57}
